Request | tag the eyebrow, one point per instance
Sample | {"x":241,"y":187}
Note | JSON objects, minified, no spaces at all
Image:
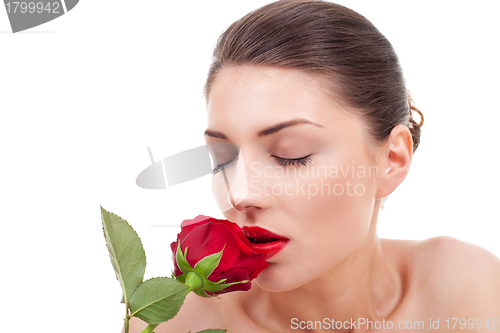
{"x":268,"y":130}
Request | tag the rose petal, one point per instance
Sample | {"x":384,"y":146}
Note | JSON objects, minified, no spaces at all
{"x":233,"y":275}
{"x":244,"y":246}
{"x":197,"y":219}
{"x":210,"y":238}
{"x":253,"y":264}
{"x":204,"y":236}
{"x":243,"y":242}
{"x":173,"y":246}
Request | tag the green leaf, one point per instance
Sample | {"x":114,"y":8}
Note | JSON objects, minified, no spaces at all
{"x":158,"y":300}
{"x":207,"y":265}
{"x":213,"y":331}
{"x":125,"y":251}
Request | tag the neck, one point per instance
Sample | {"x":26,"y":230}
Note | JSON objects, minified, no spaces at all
{"x":363,"y":285}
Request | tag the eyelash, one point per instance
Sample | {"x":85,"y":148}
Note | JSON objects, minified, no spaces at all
{"x":222,"y":166}
{"x":293,"y":161}
{"x":281,"y":161}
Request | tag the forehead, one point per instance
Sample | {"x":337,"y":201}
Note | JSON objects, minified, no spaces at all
{"x":268,"y":93}
{"x":246,"y":99}
{"x":262,"y":78}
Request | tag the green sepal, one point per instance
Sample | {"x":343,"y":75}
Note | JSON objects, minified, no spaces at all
{"x":203,"y":269}
{"x":202,"y":293}
{"x":181,"y":278}
{"x":216,"y":286}
{"x":181,"y":259}
{"x":207,"y":265}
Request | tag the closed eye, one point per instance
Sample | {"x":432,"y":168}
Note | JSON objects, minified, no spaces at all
{"x":222,"y":166}
{"x":281,"y":161}
{"x":293,"y":161}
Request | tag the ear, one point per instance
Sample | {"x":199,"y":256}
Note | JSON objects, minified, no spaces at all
{"x":395,"y":160}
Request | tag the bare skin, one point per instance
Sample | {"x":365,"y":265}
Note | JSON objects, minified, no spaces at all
{"x":334,"y":266}
{"x":422,"y":265}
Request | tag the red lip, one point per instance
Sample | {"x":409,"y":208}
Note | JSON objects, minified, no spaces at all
{"x":264,"y":242}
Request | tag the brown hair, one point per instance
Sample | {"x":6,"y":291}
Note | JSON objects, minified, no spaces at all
{"x":331,"y":41}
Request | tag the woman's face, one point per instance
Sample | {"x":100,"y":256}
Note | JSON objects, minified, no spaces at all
{"x":322,"y":203}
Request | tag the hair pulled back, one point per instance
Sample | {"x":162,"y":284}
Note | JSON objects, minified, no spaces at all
{"x":332,"y":41}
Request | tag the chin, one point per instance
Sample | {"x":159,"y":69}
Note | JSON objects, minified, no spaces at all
{"x":274,"y":279}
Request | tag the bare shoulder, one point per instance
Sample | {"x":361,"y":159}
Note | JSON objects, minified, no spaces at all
{"x":452,"y":274}
{"x":196,"y":314}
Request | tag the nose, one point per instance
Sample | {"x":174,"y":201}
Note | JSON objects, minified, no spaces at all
{"x":243,"y":194}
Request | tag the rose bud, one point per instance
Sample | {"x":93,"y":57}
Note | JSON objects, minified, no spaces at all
{"x":213,"y":257}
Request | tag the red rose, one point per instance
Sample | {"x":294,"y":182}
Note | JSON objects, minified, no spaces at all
{"x":218,"y":256}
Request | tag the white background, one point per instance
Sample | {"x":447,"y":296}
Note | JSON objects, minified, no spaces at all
{"x":83,"y":96}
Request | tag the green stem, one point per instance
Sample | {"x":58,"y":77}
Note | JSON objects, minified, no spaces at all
{"x":193,"y":281}
{"x":127,"y":318}
{"x":126,"y":324}
{"x":149,"y":328}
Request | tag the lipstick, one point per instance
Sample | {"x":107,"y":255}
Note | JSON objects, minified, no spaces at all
{"x":264,"y":242}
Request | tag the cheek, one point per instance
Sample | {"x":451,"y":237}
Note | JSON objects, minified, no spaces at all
{"x":330,"y":227}
{"x":331,"y":200}
{"x":331,"y":215}
{"x":343,"y":203}
{"x":231,"y":187}
{"x":220,"y":193}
